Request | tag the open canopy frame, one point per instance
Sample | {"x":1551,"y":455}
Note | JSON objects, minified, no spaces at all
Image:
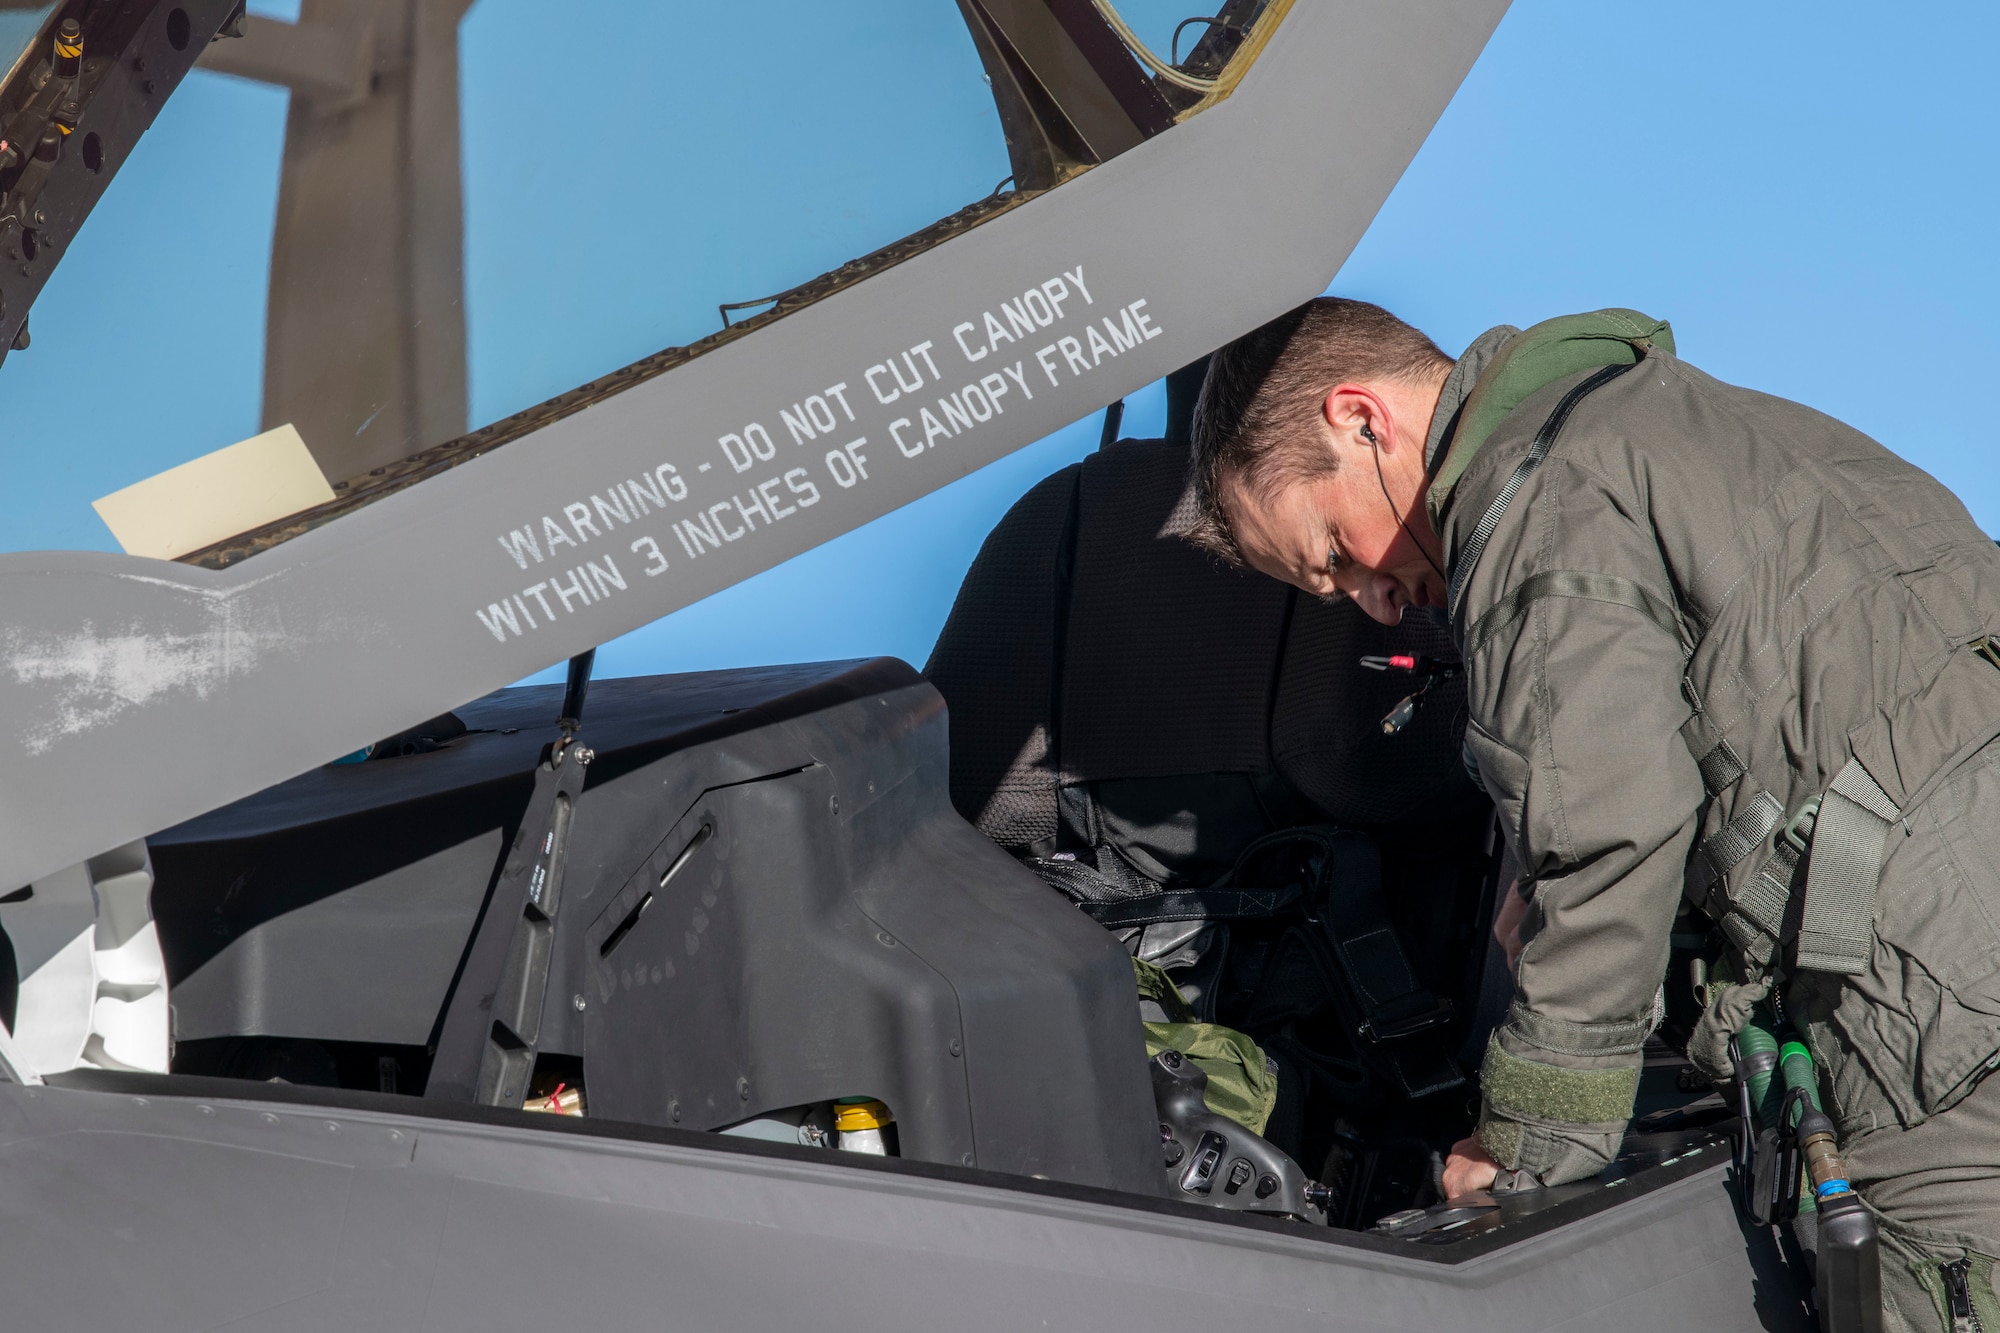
{"x":135,"y":694}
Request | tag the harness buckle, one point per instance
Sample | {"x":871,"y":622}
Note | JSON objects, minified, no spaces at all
{"x":1798,"y":830}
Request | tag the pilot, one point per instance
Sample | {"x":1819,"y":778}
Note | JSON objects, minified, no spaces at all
{"x":1719,"y":647}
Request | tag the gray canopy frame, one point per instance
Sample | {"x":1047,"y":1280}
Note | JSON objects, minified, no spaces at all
{"x":136,"y":693}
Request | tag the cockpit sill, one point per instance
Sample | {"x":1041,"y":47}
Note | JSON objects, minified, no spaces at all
{"x":1447,"y":1234}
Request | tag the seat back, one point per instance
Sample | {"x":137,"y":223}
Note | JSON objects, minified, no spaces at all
{"x":1110,"y":683}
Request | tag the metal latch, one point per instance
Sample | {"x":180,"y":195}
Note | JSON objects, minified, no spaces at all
{"x":1798,"y":829}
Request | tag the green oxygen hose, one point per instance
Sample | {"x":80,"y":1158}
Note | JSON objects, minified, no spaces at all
{"x":1759,"y":1048}
{"x":1795,"y":1065}
{"x":1783,"y":1094}
{"x":1775,"y":1069}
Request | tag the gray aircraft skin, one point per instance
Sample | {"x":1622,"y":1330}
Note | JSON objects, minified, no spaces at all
{"x":728,"y":897}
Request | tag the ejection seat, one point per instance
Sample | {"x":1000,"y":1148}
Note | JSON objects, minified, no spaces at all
{"x":1131,"y":718}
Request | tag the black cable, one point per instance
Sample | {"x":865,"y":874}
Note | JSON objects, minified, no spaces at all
{"x":1398,"y":515}
{"x":1174,"y":56}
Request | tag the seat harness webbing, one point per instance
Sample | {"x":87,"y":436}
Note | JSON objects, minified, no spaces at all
{"x":1837,"y":927}
{"x":1845,"y":830}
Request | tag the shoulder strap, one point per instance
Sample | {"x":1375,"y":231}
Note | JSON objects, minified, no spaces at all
{"x":1837,"y":928}
{"x":1840,"y":836}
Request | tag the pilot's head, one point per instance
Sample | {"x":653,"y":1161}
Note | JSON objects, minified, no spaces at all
{"x":1308,"y":464}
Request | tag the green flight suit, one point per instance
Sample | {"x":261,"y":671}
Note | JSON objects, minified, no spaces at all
{"x":1690,"y":616}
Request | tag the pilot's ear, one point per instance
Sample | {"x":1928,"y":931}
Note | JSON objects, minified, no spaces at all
{"x":1350,"y":409}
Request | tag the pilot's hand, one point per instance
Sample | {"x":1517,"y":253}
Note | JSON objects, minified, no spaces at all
{"x":1469,"y":1168}
{"x":1507,"y":923}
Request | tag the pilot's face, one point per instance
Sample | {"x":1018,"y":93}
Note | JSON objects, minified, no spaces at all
{"x":1338,"y":534}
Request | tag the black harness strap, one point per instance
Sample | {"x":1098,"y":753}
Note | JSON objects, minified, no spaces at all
{"x":1396,"y":1019}
{"x":1192,"y":905}
{"x":1349,"y":953}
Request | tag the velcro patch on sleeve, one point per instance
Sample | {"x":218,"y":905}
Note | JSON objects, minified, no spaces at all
{"x":1516,"y":1087}
{"x":1501,"y":1138}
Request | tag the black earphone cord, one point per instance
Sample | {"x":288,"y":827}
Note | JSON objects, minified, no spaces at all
{"x":1384,"y":482}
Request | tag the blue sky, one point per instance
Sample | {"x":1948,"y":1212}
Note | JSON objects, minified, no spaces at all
{"x":1807,"y":197}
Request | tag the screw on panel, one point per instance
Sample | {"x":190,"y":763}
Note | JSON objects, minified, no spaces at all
{"x":833,"y":804}
{"x":965,"y":1159}
{"x":954,"y":1046}
{"x":888,"y":940}
{"x":743,"y":1089}
{"x":579,"y":1002}
{"x":674,"y":1111}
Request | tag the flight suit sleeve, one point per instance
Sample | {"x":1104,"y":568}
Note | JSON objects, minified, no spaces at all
{"x":1574,"y":664}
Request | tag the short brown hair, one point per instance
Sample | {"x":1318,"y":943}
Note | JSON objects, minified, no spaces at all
{"x":1262,"y":400}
